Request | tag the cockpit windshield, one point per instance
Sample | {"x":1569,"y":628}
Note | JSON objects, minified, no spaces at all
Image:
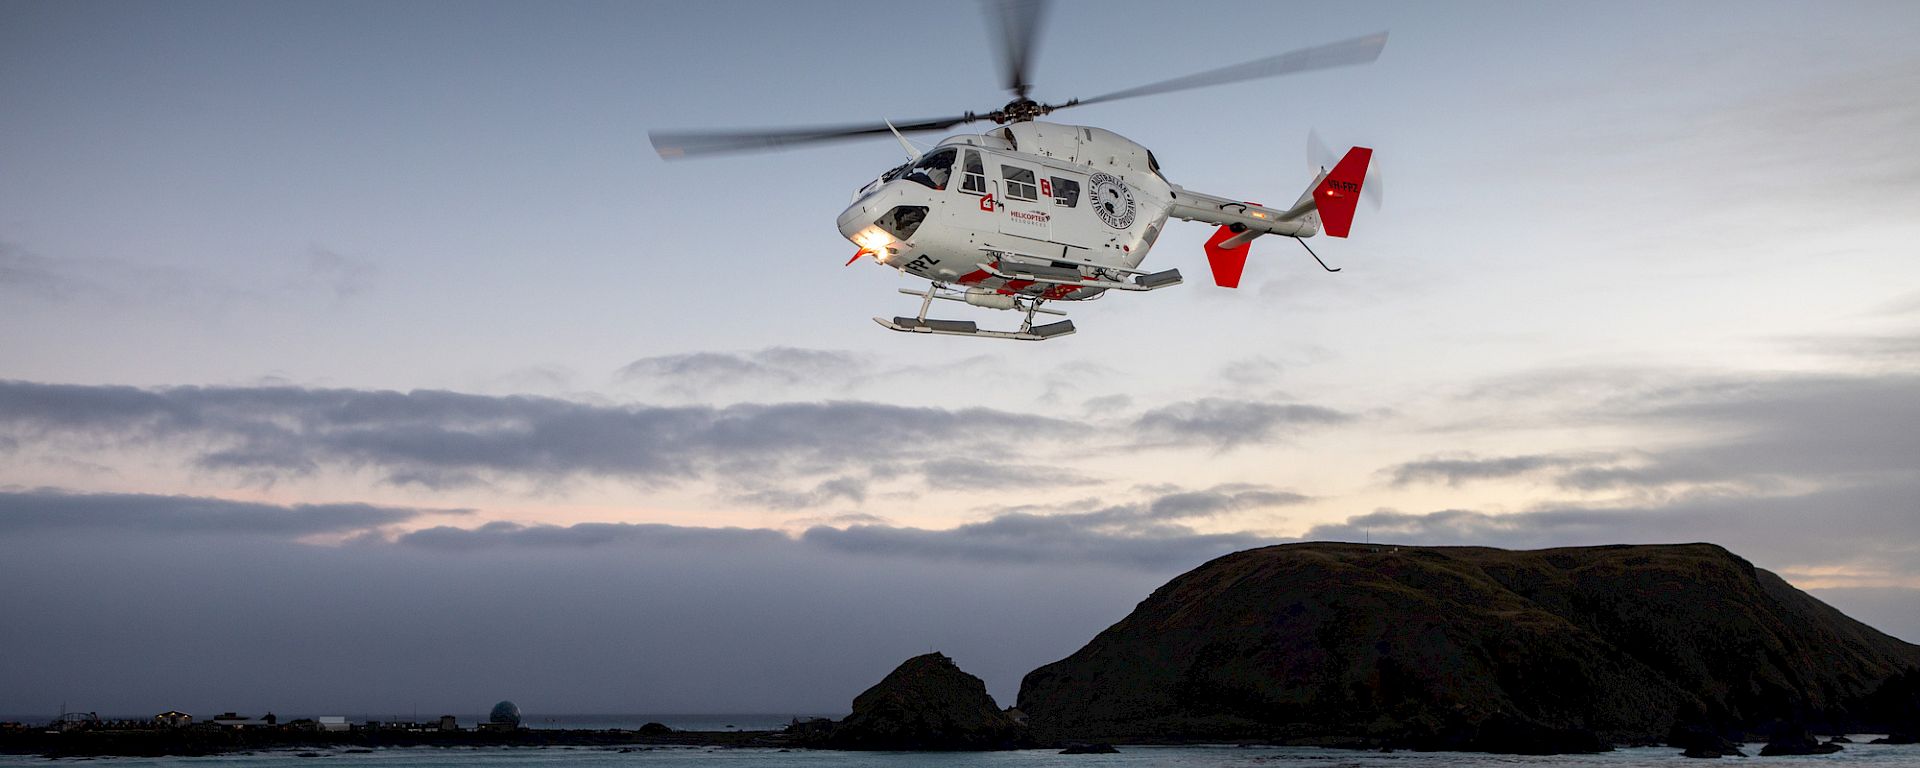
{"x":933,"y":169}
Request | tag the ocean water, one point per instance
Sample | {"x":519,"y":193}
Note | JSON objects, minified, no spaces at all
{"x":1876,"y":756}
{"x":735,"y":722}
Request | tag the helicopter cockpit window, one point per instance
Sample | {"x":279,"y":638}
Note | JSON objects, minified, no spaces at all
{"x":934,"y":169}
{"x":1066,"y":192}
{"x":973,"y":175}
{"x":1020,"y":183}
{"x":903,"y":221}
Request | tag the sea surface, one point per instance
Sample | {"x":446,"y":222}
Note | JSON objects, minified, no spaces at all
{"x":683,"y":722}
{"x":1888,"y":756}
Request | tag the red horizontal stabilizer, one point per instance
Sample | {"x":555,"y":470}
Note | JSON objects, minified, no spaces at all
{"x":1227,"y":263}
{"x":1337,"y":195}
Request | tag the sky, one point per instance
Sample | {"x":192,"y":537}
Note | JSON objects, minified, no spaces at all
{"x":362,"y":357}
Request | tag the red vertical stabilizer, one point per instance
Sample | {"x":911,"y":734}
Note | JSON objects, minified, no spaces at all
{"x":1227,"y":263}
{"x":1337,"y":195}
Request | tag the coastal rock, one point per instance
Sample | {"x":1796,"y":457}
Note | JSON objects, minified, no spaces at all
{"x":1796,"y":741}
{"x":928,"y":704}
{"x":1558,"y":650}
{"x":1701,"y":741}
{"x":1089,"y":749}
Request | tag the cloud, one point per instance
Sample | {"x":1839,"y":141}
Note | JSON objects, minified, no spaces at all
{"x":1825,"y":428}
{"x":122,"y":283}
{"x":497,"y":535}
{"x":1754,"y":431}
{"x":1258,"y":371}
{"x":840,"y":520}
{"x":969,"y":473}
{"x":851,"y":489}
{"x":696,"y":373}
{"x":1147,"y":534}
{"x":1032,"y":539}
{"x":47,"y":511}
{"x":446,"y":439}
{"x":1224,"y":423}
{"x":1095,"y":406}
{"x":29,"y":276}
{"x":1895,"y":348}
{"x":1454,"y":472}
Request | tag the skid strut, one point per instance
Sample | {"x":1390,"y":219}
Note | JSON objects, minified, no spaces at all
{"x":1028,"y":331}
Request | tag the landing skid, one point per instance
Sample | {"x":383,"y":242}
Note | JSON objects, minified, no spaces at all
{"x":1028,"y":331}
{"x":967,"y":328}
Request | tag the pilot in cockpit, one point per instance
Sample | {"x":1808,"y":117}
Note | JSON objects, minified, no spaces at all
{"x":934,"y":170}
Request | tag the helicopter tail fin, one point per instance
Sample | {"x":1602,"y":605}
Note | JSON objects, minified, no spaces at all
{"x":1337,"y":194}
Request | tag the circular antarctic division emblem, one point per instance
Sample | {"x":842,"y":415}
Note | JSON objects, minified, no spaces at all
{"x":1112,"y":200}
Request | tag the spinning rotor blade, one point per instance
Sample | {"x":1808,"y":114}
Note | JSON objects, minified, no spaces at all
{"x":1360,"y":50}
{"x":674,"y":145}
{"x":1015,"y":24}
{"x":1320,"y":157}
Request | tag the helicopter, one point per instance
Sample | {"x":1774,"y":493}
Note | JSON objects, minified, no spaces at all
{"x":1035,"y":212}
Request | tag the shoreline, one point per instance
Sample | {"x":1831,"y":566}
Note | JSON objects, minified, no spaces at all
{"x":191,"y":743}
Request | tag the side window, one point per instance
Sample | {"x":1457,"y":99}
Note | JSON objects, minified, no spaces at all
{"x":1066,"y":192}
{"x":973,"y":175}
{"x":1020,"y":183}
{"x":903,"y":220}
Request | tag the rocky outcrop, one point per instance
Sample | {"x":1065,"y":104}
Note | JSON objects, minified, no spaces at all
{"x":1701,"y":741}
{"x":927,"y":704}
{"x":1467,"y":648}
{"x":1797,"y":741}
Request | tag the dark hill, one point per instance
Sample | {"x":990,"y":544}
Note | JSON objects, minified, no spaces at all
{"x":1467,"y":648}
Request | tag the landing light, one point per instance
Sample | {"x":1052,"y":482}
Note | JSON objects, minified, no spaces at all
{"x":875,"y":241}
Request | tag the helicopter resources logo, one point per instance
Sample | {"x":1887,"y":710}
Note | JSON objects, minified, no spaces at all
{"x":1036,"y":218}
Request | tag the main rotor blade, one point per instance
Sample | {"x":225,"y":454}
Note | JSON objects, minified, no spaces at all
{"x":674,"y":145}
{"x":1016,"y":23}
{"x":1360,"y":50}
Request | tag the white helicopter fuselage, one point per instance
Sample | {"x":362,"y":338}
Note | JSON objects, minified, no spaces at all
{"x":981,"y":210}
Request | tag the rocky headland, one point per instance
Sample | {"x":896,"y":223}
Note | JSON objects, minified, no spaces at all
{"x":1468,"y":648}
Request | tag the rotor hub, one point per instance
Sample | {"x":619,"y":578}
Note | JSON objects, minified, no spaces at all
{"x":1023,"y":109}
